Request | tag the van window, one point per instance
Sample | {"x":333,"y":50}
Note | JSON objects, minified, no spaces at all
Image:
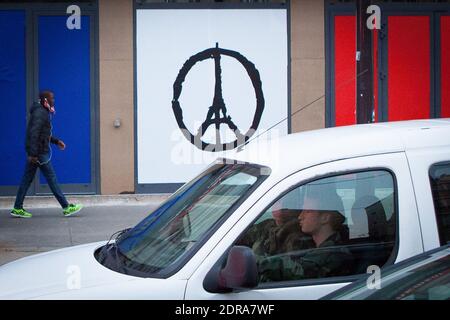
{"x":335,"y":226}
{"x":440,"y":187}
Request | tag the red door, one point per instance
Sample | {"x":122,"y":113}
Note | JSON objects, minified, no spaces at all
{"x":405,"y":56}
{"x":345,"y":70}
{"x":408,"y":72}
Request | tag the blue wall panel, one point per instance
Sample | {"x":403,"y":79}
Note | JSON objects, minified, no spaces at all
{"x":13,"y":96}
{"x":64,"y":68}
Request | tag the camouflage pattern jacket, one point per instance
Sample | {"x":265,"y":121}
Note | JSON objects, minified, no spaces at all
{"x":329,"y":259}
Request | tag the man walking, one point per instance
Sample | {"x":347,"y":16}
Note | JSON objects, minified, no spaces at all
{"x":39,"y":153}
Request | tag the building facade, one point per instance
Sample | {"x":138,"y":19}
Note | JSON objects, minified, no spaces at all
{"x":129,"y":75}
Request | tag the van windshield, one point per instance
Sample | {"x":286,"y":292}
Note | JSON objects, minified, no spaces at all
{"x":170,"y":235}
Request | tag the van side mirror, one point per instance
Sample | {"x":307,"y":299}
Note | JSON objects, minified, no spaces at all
{"x":240,"y":272}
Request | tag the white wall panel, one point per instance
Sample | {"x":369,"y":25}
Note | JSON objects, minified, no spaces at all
{"x":165,"y":39}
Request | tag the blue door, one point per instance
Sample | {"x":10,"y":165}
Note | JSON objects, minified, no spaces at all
{"x":13,"y":99}
{"x":65,"y":66}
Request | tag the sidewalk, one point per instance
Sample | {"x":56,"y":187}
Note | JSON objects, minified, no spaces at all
{"x":48,"y":229}
{"x":87,"y":200}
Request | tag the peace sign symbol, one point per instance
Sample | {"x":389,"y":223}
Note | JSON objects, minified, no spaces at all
{"x":217,"y":113}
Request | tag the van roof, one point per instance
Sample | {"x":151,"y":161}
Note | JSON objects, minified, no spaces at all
{"x":296,"y":151}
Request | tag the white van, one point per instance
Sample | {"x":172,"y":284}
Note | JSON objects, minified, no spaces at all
{"x":292,"y":218}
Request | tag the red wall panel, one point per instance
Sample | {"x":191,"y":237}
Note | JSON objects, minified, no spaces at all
{"x":345,"y":70}
{"x":408,"y":67}
{"x":445,"y":66}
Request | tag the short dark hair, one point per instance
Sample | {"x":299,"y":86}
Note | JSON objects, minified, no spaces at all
{"x":336,"y":220}
{"x":45,"y":94}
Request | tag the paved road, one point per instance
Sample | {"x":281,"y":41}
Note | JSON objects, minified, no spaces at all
{"x":49,"y":229}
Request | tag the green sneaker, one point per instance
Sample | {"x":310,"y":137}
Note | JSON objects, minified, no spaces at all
{"x":72,"y":209}
{"x":21,"y":213}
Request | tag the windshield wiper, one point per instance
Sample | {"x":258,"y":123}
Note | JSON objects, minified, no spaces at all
{"x":110,"y":253}
{"x":120,"y":234}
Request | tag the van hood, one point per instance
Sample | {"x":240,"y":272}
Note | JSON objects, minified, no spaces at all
{"x":71,"y":273}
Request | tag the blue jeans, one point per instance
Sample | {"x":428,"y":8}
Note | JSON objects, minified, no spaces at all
{"x":49,"y":173}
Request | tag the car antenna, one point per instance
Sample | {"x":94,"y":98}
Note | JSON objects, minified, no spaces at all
{"x":241,"y":147}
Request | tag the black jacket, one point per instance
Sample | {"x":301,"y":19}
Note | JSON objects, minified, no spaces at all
{"x":39,"y":131}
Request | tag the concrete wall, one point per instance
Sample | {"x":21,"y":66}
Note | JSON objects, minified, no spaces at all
{"x":307,"y":64}
{"x":116,"y":96}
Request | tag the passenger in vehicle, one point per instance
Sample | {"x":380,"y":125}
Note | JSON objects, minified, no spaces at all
{"x":278,"y":235}
{"x":322,"y":218}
